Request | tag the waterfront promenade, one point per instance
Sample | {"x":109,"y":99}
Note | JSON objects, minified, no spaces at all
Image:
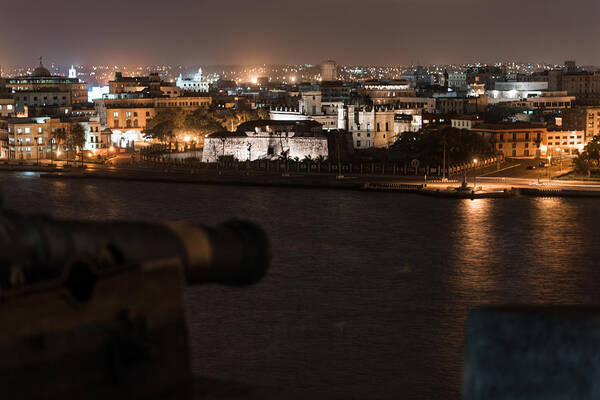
{"x":505,"y":180}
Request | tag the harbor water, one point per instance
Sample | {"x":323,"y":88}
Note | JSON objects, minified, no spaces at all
{"x":368,"y":293}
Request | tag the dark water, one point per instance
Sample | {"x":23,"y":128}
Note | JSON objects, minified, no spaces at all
{"x":369,"y":292}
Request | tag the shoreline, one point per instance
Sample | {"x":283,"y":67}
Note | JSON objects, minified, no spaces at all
{"x":390,"y":184}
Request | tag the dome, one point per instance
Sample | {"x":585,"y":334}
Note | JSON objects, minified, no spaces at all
{"x":41,"y":71}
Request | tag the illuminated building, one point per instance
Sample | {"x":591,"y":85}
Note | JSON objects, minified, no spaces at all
{"x":547,"y":102}
{"x":559,"y":142}
{"x":387,"y":92}
{"x":378,"y":126}
{"x":42,"y":89}
{"x":515,"y":139}
{"x":194,"y":84}
{"x":7,"y":105}
{"x":127,"y":118}
{"x":36,"y":138}
{"x":510,"y":91}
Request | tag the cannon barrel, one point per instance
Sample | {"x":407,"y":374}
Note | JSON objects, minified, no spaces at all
{"x":36,"y":248}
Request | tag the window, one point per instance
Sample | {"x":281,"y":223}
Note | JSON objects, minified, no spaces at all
{"x":128,"y":114}
{"x":27,"y":130}
{"x":378,"y":130}
{"x":116,"y":114}
{"x":135,"y":114}
{"x":358,"y":143}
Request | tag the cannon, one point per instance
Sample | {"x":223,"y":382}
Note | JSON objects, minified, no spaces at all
{"x":95,"y":309}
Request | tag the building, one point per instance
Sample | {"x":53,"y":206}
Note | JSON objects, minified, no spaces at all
{"x":193,"y":84}
{"x":583,"y":118}
{"x":377,"y":126}
{"x":580,"y":84}
{"x":546,"y":102}
{"x":516,"y":139}
{"x":36,"y":138}
{"x":329,"y":71}
{"x":152,"y":85}
{"x":42,"y":89}
{"x":465,"y":122}
{"x":310,"y":107}
{"x":510,"y":91}
{"x":257,"y":140}
{"x":561,"y":142}
{"x":387,"y":92}
{"x":127,"y":118}
{"x":457,"y":80}
{"x":7,"y":106}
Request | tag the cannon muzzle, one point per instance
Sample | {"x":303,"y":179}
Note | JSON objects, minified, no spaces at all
{"x":35,"y":248}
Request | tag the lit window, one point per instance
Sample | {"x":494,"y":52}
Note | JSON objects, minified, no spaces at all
{"x":116,"y":114}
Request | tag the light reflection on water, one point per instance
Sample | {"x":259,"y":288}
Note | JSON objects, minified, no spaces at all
{"x":369,"y":292}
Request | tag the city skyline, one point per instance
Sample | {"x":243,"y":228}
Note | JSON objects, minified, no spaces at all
{"x":378,"y":33}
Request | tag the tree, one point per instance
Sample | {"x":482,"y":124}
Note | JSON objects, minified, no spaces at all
{"x":590,"y":157}
{"x":75,"y":138}
{"x":59,"y":136}
{"x":428,"y":147}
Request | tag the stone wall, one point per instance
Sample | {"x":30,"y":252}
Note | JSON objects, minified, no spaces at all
{"x":256,"y":148}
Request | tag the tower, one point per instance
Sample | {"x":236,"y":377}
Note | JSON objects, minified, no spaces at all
{"x":328,"y":71}
{"x":72,"y":72}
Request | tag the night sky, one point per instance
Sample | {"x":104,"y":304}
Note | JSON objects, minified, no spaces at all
{"x":383,"y":32}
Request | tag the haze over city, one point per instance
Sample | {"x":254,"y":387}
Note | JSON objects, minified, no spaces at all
{"x":318,"y":199}
{"x":378,"y":32}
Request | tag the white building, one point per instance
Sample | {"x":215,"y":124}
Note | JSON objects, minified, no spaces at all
{"x":311,"y":107}
{"x":457,"y":80}
{"x":511,"y":91}
{"x":194,"y":84}
{"x":378,"y":126}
